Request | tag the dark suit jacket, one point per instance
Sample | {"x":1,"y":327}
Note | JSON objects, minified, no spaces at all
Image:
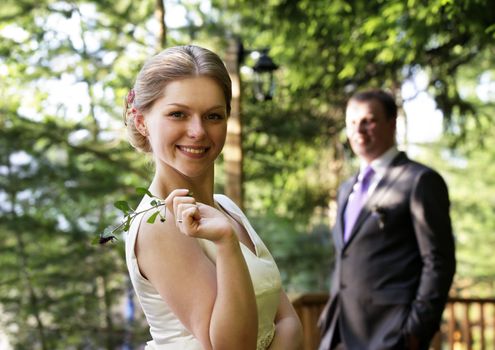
{"x":393,"y":275}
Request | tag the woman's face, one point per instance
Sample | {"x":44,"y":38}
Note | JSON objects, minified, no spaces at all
{"x":187,"y":126}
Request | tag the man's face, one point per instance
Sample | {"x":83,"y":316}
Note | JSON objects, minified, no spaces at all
{"x":369,"y":131}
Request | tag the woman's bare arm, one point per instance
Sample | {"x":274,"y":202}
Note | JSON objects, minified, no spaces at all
{"x":216,"y":302}
{"x":288,"y":331}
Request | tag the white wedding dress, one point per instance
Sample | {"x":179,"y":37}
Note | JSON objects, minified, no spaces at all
{"x":167,"y":331}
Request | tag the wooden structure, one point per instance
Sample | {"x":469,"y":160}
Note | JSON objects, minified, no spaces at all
{"x":468,"y":323}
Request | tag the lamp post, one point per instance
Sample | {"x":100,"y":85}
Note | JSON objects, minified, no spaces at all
{"x":264,"y":86}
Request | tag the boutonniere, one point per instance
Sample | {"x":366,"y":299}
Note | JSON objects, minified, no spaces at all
{"x":380,"y":215}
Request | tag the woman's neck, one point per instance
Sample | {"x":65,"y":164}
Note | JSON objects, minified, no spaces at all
{"x":168,"y":179}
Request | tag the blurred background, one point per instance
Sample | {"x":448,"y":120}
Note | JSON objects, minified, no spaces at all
{"x":66,"y":66}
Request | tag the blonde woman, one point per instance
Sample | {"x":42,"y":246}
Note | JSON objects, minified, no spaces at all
{"x":203,"y":277}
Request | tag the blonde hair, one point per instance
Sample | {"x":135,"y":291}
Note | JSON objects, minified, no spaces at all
{"x":167,"y":66}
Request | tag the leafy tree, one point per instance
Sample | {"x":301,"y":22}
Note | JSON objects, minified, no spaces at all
{"x":62,"y":168}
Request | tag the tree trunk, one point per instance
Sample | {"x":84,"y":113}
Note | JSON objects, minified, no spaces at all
{"x":161,"y":36}
{"x":233,"y":155}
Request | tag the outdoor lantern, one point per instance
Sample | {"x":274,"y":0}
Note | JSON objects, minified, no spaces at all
{"x":264,"y":83}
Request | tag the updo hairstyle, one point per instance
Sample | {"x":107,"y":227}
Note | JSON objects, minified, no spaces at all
{"x":172,"y":64}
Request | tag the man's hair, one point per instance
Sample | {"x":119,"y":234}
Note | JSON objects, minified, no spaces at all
{"x":386,"y":100}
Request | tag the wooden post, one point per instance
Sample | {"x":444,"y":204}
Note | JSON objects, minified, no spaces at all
{"x":233,"y":155}
{"x":482,"y":325}
{"x":467,"y":325}
{"x":452,"y":328}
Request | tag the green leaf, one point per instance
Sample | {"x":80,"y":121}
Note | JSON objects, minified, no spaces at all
{"x":142,"y":191}
{"x":123,"y":205}
{"x":152,"y":218}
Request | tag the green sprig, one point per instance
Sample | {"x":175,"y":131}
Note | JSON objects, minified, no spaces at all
{"x":130,"y":214}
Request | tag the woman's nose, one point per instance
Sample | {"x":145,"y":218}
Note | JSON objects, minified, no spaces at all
{"x":195,"y":128}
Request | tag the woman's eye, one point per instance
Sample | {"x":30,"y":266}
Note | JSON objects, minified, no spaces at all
{"x":176,"y":115}
{"x":215,"y":116}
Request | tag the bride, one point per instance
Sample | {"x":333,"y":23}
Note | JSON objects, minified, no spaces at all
{"x":204,"y":278}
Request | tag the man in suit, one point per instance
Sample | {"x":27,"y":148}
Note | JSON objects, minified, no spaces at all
{"x":394,"y":248}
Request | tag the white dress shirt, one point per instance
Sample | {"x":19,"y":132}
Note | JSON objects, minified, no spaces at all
{"x":379,"y":165}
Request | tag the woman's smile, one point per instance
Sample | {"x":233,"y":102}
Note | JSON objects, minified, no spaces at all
{"x":193,"y":151}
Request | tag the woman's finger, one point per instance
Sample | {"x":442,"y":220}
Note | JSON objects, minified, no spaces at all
{"x":184,"y":210}
{"x":178,"y":200}
{"x":169,"y":201}
{"x":189,"y":220}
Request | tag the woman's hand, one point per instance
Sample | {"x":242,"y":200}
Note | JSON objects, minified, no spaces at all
{"x":197,"y":219}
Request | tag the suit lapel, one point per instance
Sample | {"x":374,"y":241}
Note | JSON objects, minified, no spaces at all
{"x":393,"y":172}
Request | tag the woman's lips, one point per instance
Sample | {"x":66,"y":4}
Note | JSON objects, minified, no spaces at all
{"x":193,"y":151}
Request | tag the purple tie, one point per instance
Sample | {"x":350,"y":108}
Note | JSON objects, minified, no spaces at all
{"x":356,"y":201}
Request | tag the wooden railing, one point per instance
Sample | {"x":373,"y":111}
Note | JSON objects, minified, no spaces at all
{"x":468,"y":324}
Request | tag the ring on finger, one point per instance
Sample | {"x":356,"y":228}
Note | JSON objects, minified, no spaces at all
{"x":179,"y":221}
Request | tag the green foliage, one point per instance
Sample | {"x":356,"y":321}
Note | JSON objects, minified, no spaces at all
{"x":328,"y":50}
{"x":303,"y":256}
{"x":60,"y":167}
{"x":49,"y":214}
{"x":472,"y":188}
